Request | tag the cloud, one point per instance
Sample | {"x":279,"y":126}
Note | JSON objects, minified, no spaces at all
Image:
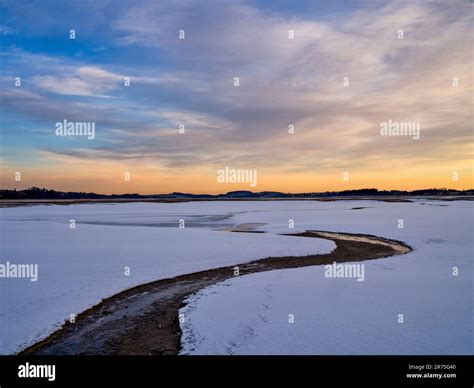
{"x":5,"y":30}
{"x":282,"y":81}
{"x":87,"y":81}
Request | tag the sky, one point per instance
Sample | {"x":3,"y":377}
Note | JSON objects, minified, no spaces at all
{"x":236,"y":76}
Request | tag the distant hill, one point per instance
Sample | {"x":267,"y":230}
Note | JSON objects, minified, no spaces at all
{"x":49,"y":194}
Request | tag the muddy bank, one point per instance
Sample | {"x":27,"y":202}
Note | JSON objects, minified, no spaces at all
{"x":144,"y":319}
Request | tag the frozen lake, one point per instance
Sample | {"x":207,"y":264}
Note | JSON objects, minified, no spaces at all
{"x":410,"y":304}
{"x":116,"y":246}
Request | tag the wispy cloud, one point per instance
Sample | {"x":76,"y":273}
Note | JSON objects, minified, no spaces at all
{"x":87,"y":81}
{"x":282,"y":82}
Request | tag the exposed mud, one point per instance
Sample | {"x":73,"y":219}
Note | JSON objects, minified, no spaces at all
{"x":144,"y":319}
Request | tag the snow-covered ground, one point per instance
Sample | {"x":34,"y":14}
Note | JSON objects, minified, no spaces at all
{"x":300,"y":311}
{"x":249,"y":314}
{"x":77,"y":267}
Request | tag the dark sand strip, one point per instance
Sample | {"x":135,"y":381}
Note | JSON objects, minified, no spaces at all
{"x":144,"y":319}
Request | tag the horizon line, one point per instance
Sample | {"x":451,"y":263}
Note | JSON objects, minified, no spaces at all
{"x":242,"y":191}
